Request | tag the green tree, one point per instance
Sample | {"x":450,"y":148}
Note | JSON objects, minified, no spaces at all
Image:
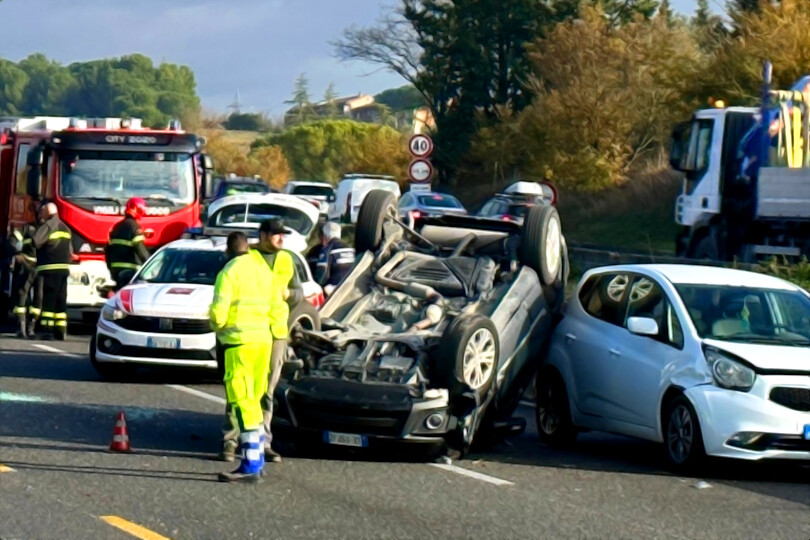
{"x":301,"y":98}
{"x":329,"y":97}
{"x":400,"y":99}
{"x":326,"y":149}
{"x":605,"y":98}
{"x":13,"y":81}
{"x":49,"y":84}
{"x":463,"y":56}
{"x":246,"y":122}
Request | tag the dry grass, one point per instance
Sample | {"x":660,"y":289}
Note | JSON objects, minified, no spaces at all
{"x":241,"y":139}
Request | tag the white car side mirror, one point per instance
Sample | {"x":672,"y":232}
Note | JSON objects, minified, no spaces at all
{"x":642,"y":326}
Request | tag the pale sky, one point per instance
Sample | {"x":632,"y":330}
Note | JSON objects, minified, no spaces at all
{"x":255,"y":46}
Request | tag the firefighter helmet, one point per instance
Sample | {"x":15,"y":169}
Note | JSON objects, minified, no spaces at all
{"x":136,"y":208}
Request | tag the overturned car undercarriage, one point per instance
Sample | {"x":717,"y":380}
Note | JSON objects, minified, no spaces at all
{"x":432,"y":337}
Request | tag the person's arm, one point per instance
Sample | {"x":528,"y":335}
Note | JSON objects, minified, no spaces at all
{"x":295,"y":292}
{"x":41,"y":236}
{"x":140,"y":249}
{"x":321,"y":273}
{"x":221,"y":305}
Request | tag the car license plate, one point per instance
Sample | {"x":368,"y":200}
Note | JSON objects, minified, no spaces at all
{"x":807,"y":432}
{"x":163,"y":343}
{"x":345,"y":439}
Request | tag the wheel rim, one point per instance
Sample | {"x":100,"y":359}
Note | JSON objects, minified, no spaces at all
{"x":641,"y":290}
{"x":479,"y":358}
{"x":553,"y":251}
{"x":680,"y":434}
{"x":547,"y":413}
{"x":616,"y":288}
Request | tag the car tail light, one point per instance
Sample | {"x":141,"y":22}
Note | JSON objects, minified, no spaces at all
{"x":505,"y":218}
{"x":317,"y":300}
{"x":416,"y":214}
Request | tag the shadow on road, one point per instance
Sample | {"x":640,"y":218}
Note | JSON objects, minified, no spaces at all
{"x":114,"y":471}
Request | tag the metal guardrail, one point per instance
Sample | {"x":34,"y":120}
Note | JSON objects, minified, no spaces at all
{"x":584,"y":257}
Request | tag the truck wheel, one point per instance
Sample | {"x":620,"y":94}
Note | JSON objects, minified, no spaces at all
{"x":377,"y":206}
{"x":542,"y":245}
{"x":705,"y":250}
{"x":467,"y":356}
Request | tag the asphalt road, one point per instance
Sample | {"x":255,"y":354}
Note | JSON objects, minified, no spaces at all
{"x":57,"y":479}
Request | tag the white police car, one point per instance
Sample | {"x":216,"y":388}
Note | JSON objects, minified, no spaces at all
{"x":161,"y":316}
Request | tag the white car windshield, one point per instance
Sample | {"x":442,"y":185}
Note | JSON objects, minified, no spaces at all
{"x":107,"y":175}
{"x":183,"y":266}
{"x":748,"y":314}
{"x":240,"y":215}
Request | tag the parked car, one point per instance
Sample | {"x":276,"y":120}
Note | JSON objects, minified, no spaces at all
{"x":161,"y":316}
{"x":428,"y":204}
{"x":707,"y":361}
{"x":515,"y":200}
{"x":351,"y":191}
{"x":321,"y":194}
{"x":431,"y":338}
{"x":247,"y":211}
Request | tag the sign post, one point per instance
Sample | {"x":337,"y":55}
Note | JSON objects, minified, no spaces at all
{"x":420,"y":171}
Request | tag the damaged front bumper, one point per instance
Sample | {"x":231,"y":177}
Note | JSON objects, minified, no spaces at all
{"x":362,"y":415}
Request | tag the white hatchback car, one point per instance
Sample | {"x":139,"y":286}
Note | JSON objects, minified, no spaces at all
{"x":248,"y":210}
{"x":161,"y":317}
{"x":705,"y":360}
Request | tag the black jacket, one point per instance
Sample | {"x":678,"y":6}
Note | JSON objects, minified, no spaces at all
{"x":54,"y":246}
{"x":335,"y":260}
{"x":126,"y":250}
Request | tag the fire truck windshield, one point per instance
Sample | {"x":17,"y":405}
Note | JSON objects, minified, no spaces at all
{"x":160,"y":178}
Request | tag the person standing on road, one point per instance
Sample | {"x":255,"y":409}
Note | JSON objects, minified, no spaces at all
{"x":286,"y":294}
{"x":335,"y":258}
{"x":126,"y":251}
{"x":240,"y":316}
{"x":236,"y":247}
{"x":25,"y":273}
{"x":53,"y":243}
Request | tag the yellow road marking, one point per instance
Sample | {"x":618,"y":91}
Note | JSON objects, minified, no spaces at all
{"x":135,"y":530}
{"x":3,"y":468}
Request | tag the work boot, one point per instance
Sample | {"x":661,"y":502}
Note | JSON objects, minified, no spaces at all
{"x":22,"y":331}
{"x":60,"y":333}
{"x":271,"y":455}
{"x":250,"y":469}
{"x":228,"y":452}
{"x":32,"y":328}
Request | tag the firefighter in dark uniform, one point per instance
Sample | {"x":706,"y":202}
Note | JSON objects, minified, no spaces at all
{"x":25,"y":265}
{"x":54,"y":246}
{"x":126,"y":252}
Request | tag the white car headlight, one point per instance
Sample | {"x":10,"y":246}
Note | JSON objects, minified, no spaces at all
{"x":109,"y":313}
{"x":728,"y":372}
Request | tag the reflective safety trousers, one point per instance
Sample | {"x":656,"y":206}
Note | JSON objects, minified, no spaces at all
{"x":246,"y":370}
{"x":240,"y":311}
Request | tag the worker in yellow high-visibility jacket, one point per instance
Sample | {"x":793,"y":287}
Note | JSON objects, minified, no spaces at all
{"x":240,"y":316}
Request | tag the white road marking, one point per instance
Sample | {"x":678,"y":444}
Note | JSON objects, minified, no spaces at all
{"x":472,"y":474}
{"x":204,"y":395}
{"x":57,"y":351}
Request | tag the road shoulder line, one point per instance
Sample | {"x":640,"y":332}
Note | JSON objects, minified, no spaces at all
{"x":193,"y":392}
{"x":472,"y":474}
{"x":132,"y":528}
{"x":50,"y":349}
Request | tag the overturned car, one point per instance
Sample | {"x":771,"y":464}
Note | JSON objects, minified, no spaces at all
{"x":433,"y":336}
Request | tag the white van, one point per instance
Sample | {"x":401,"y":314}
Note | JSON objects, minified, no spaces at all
{"x":351,"y":191}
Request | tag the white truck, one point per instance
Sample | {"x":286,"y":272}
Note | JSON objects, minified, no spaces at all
{"x":746,"y":192}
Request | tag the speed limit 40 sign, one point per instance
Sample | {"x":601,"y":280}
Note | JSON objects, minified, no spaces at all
{"x":421,"y":146}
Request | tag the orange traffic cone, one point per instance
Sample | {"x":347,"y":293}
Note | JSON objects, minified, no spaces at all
{"x":120,"y":440}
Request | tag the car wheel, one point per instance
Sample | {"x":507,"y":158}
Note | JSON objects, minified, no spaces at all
{"x":552,"y":412}
{"x":377,"y":206}
{"x":304,"y":315}
{"x":683,"y":438}
{"x":467,"y":356}
{"x":542,"y":244}
{"x":107,"y":370}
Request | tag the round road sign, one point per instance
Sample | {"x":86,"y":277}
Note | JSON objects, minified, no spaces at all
{"x":420,"y":145}
{"x":420,"y":170}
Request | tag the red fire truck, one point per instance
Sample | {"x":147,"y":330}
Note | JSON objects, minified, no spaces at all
{"x":90,"y":168}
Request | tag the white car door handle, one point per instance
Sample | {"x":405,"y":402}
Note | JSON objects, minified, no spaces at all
{"x":570,"y":337}
{"x":615,"y":352}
